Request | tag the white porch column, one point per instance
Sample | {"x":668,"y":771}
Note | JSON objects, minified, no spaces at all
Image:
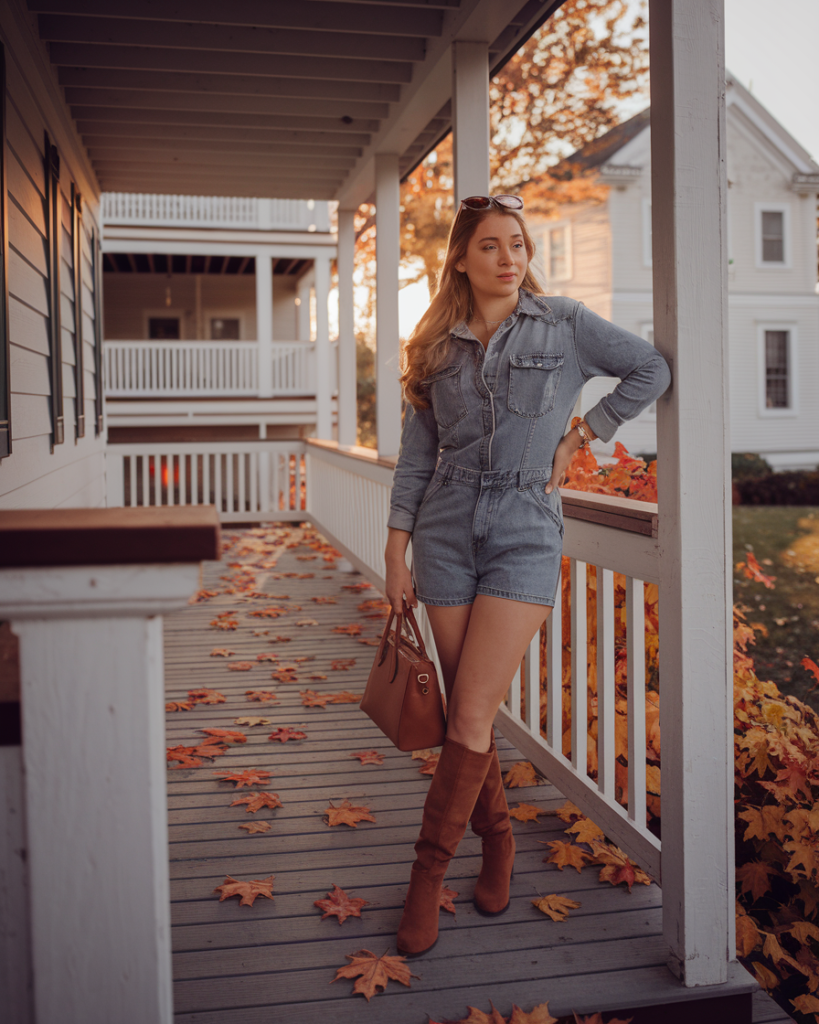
{"x":92,"y":702}
{"x":303,"y":291}
{"x":470,"y":118}
{"x":388,"y":255}
{"x":264,"y":322}
{"x":688,"y":183}
{"x":347,"y":398}
{"x":322,"y":348}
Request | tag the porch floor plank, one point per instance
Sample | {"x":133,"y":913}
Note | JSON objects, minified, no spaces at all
{"x":276,"y":961}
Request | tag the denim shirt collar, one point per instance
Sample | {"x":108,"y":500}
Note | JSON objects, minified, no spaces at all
{"x":528,"y":304}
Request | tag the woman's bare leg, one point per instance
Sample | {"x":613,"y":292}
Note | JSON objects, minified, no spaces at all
{"x":449,"y":625}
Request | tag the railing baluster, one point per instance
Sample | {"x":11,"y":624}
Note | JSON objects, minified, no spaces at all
{"x":146,"y":480}
{"x":183,"y":478}
{"x":265,"y":459}
{"x":554,"y":670}
{"x":636,"y":655}
{"x":580,"y":679}
{"x":606,"y":693}
{"x":132,"y":481}
{"x":241,"y":497}
{"x":532,"y":684}
{"x":206,"y":481}
{"x":195,"y":478}
{"x":217,"y":483}
{"x":254,"y":459}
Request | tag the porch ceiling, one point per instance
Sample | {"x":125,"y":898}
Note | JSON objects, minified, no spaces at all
{"x":265,"y":97}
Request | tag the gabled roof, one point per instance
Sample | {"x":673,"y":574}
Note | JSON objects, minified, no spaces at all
{"x":600,"y":150}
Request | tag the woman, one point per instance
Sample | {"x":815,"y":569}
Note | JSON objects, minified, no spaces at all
{"x":493,"y":371}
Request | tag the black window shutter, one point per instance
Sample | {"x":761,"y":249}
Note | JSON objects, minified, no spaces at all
{"x":54,"y":229}
{"x":76,"y":243}
{"x":96,"y":257}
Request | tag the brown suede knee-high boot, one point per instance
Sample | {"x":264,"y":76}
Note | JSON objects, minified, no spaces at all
{"x":490,"y":821}
{"x":447,"y":809}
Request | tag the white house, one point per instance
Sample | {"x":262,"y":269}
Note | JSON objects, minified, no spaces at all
{"x":221,"y":299}
{"x":602,"y":254}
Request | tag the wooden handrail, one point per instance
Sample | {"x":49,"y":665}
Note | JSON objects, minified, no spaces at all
{"x":369,"y":455}
{"x":607,"y":510}
{"x":108,"y":536}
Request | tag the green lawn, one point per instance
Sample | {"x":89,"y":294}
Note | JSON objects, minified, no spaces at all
{"x":790,"y":611}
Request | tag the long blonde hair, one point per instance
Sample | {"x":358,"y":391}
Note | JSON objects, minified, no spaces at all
{"x":428,"y":347}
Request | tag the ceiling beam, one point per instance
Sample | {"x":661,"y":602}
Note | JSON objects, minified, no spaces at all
{"x":119,"y":99}
{"x":225,"y":182}
{"x":235,"y":38}
{"x":219,"y":133}
{"x":290,"y":66}
{"x":159,"y":160}
{"x":305,"y":14}
{"x":103,"y":145}
{"x":111,"y":118}
{"x":108,"y":167}
{"x":176,"y":82}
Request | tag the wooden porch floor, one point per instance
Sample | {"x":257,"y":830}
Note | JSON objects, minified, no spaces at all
{"x":275,"y":961}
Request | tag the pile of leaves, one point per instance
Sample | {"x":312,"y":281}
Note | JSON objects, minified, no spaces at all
{"x":776,"y":776}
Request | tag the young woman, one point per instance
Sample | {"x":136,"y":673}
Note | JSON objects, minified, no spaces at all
{"x":492,"y":373}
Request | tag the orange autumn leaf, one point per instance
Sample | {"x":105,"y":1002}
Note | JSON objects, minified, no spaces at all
{"x":317,"y":676}
{"x":617,"y":866}
{"x":247,"y":890}
{"x":422,"y":755}
{"x":324,"y":600}
{"x":286,"y":733}
{"x":346,"y":814}
{"x":206,"y":696}
{"x":226,"y":624}
{"x":342,"y":664}
{"x":345,"y":697}
{"x":226,"y":735}
{"x":538,"y":1015}
{"x":249,"y":777}
{"x":252,"y":827}
{"x":585,"y":831}
{"x":447,"y":896}
{"x":307,"y":622}
{"x":521,"y":774}
{"x":805,"y":1003}
{"x":280,"y":639}
{"x":429,"y":765}
{"x":273,"y":612}
{"x":373,"y":973}
{"x":180,"y":705}
{"x":267,"y":656}
{"x":597,"y":1018}
{"x":752,"y":570}
{"x":184,"y":756}
{"x":352,"y":630}
{"x":311,"y":699}
{"x":356,"y":587}
{"x":221,"y":652}
{"x":567,"y":855}
{"x":369,"y":757}
{"x":338,"y":904}
{"x":252,"y":720}
{"x":305,"y":657}
{"x":568,"y":812}
{"x":256,"y":801}
{"x":526,"y":812}
{"x":813,"y":668}
{"x":262,"y":696}
{"x":556,"y":907}
{"x":765,"y":976}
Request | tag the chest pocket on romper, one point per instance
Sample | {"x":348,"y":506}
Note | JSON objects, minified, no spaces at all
{"x":445,"y":393}
{"x":533,"y":380}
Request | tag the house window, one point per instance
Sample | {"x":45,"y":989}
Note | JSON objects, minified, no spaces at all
{"x":777,"y":369}
{"x":224,"y":328}
{"x":772,"y":235}
{"x":163,"y":328}
{"x":558,"y":256}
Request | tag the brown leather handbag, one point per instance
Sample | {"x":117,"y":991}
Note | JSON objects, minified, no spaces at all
{"x":402,"y":696}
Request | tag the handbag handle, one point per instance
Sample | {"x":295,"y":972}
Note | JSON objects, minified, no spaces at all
{"x":410,"y":620}
{"x":382,"y":648}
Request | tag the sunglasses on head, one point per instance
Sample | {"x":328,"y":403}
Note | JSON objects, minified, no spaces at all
{"x":485,"y":202}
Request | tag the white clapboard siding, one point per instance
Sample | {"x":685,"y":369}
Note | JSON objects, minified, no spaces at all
{"x":72,"y":473}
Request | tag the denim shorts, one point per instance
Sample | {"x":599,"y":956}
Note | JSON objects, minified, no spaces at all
{"x":490,"y":532}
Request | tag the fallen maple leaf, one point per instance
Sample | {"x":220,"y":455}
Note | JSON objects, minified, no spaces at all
{"x":370,"y":641}
{"x":267,"y":656}
{"x":305,"y":657}
{"x":813,"y":668}
{"x":307,"y":622}
{"x":617,"y":867}
{"x":225,"y":624}
{"x":429,"y":765}
{"x":347,"y":814}
{"x":369,"y":757}
{"x":421,"y":755}
{"x":342,"y":664}
{"x":585,"y":831}
{"x":597,"y":1018}
{"x":447,"y":896}
{"x":262,"y":696}
{"x":185,"y":760}
{"x":566,"y":855}
{"x":252,"y":720}
{"x":345,"y":697}
{"x":324,"y":600}
{"x":306,"y":558}
{"x":311,"y":699}
{"x":805,"y":1003}
{"x":221,"y":652}
{"x":206,"y":696}
{"x":249,"y":777}
{"x":356,"y":586}
{"x":568,"y":812}
{"x":317,"y":676}
{"x":755,"y":877}
{"x":556,"y":907}
{"x":521,"y":774}
{"x":247,"y":890}
{"x":525,"y":812}
{"x":179,"y":705}
{"x":256,"y":801}
{"x":352,"y":630}
{"x":286,"y":733}
{"x":279,"y":639}
{"x":256,"y":826}
{"x":226,"y":735}
{"x":273,"y":612}
{"x":339,"y":904}
{"x":372,"y":972}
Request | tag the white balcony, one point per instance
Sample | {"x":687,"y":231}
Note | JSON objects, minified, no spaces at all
{"x":152,"y":210}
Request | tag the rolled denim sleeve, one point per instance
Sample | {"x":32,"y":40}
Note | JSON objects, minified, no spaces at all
{"x":414,"y":467}
{"x":606,"y":350}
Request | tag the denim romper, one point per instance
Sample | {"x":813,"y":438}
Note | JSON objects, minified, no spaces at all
{"x":471,"y":470}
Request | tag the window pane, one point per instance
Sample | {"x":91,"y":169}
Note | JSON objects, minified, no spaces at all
{"x":163,"y":328}
{"x":558,"y":266}
{"x":773,"y":236}
{"x":776,"y":370}
{"x":224,"y":330}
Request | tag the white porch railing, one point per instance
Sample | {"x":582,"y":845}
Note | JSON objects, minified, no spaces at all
{"x":190,"y":369}
{"x":244,"y":480}
{"x":214,"y":212}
